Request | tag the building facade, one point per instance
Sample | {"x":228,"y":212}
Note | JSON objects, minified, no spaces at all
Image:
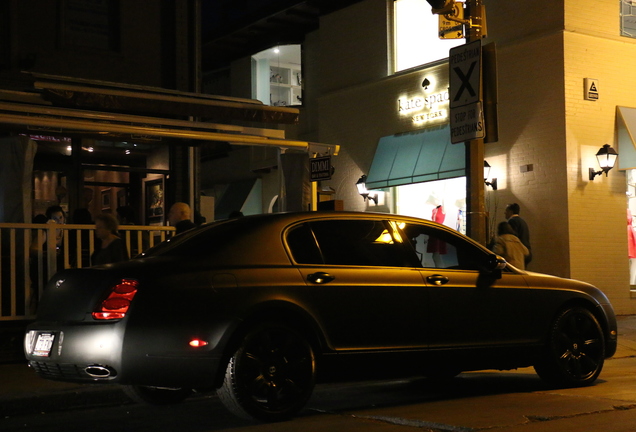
{"x":549,"y":127}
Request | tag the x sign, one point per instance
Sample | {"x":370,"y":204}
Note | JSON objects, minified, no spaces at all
{"x":465,"y":70}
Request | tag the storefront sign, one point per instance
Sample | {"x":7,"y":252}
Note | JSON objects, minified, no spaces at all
{"x":467,"y":123}
{"x":431,"y":105}
{"x":320,"y":168}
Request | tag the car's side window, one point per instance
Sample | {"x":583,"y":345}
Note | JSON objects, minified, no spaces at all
{"x":436,"y":248}
{"x":302,"y":245}
{"x":359,"y":242}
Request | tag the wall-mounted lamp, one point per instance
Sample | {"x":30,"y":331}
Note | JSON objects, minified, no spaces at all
{"x":606,"y":157}
{"x":362,"y":190}
{"x":493,"y":182}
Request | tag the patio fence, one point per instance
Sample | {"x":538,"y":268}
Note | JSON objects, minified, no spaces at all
{"x":24,"y":270}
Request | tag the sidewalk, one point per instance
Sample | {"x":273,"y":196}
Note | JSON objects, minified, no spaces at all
{"x":22,"y":391}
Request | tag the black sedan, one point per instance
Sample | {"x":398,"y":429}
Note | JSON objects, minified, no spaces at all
{"x":260,"y":308}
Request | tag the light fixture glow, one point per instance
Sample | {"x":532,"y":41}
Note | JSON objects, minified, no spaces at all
{"x":362,"y":190}
{"x":606,"y":157}
{"x":493,"y":182}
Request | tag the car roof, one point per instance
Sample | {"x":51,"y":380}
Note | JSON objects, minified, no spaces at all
{"x":259,"y":238}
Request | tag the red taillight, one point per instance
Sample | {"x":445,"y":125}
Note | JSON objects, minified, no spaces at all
{"x":197,"y":343}
{"x":116,"y":304}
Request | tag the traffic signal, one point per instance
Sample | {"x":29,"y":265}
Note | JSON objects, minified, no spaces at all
{"x":441,"y":7}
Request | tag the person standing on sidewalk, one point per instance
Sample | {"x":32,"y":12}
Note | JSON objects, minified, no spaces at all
{"x":520,"y":226}
{"x":508,"y":245}
{"x":180,"y":217}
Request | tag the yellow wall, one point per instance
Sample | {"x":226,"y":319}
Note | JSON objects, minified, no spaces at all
{"x":598,"y":240}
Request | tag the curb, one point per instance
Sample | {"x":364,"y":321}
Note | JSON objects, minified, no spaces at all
{"x":62,"y":401}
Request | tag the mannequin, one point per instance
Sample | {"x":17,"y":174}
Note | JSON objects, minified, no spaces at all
{"x":436,"y":246}
{"x":631,"y":247}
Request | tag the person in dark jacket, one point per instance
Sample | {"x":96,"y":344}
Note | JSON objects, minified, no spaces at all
{"x":180,"y":217}
{"x":111,"y":248}
{"x":520,"y":226}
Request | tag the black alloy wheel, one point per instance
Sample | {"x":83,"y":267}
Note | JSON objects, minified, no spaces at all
{"x":271,"y":376}
{"x":575,"y":351}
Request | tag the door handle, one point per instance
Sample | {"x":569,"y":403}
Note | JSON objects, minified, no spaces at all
{"x":437,"y":279}
{"x":320,"y":278}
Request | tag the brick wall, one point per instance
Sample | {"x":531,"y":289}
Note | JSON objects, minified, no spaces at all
{"x":598,"y":238}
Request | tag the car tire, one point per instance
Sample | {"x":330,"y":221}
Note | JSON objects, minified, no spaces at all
{"x":156,"y":395}
{"x":575,"y":350}
{"x":271,"y":375}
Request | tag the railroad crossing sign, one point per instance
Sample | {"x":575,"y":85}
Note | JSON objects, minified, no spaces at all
{"x":465,"y":74}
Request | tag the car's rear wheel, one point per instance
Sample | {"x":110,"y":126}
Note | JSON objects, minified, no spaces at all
{"x":156,"y":395}
{"x":575,"y":350}
{"x":270,"y":376}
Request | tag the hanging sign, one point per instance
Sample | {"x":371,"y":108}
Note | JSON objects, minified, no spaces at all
{"x":320,"y":168}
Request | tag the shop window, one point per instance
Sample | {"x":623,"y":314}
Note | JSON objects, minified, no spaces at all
{"x":277,"y":76}
{"x":628,"y":18}
{"x":442,"y":201}
{"x":415,"y":35}
{"x":631,"y":227}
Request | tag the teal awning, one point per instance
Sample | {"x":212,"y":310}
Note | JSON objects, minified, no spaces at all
{"x":414,"y":157}
{"x":626,"y":121}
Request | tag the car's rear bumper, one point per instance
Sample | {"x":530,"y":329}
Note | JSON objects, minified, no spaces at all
{"x":97,"y":353}
{"x":86,"y":352}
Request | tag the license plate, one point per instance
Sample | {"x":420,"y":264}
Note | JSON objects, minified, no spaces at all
{"x":43,"y":344}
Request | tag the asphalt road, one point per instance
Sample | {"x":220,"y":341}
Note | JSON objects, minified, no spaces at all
{"x":511,"y":401}
{"x":489,"y":401}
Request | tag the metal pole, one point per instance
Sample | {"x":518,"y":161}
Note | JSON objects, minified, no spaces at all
{"x":475,"y":197}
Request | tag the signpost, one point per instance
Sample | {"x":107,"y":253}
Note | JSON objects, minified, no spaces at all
{"x":466,"y":112}
{"x":466,"y":107}
{"x":464,"y":63}
{"x":452,"y":29}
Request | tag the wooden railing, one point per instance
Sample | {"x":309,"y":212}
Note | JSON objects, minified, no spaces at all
{"x":25,"y":266}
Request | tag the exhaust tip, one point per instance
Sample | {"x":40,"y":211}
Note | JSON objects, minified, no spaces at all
{"x":100,"y":372}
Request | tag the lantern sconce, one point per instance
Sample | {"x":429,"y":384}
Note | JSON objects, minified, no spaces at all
{"x":606,"y":157}
{"x":364,"y":193}
{"x":493,"y":182}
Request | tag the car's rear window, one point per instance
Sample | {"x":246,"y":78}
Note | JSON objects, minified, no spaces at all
{"x":202,"y":241}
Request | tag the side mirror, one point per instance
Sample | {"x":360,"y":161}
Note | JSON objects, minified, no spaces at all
{"x":491,"y":271}
{"x":496,"y":262}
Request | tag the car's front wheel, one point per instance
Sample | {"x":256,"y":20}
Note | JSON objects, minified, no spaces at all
{"x":575,"y":350}
{"x":271,"y":375}
{"x":156,"y":395}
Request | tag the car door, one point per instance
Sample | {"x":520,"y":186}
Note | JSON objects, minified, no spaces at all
{"x":467,"y":308}
{"x":363,"y":287}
